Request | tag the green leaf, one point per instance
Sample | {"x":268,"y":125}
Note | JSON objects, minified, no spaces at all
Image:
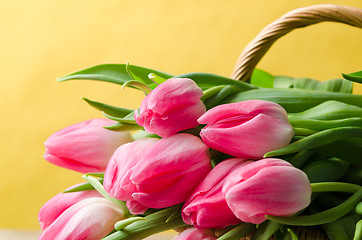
{"x":108,"y":109}
{"x":342,"y":228}
{"x":354,"y":77}
{"x":123,"y":127}
{"x":292,"y":234}
{"x":266,"y":230}
{"x":96,"y":174}
{"x":358,"y":232}
{"x":294,"y":100}
{"x":346,"y":151}
{"x":138,"y":85}
{"x":318,"y":139}
{"x":298,"y":122}
{"x":224,"y":92}
{"x":208,"y":80}
{"x":329,"y":170}
{"x":332,"y":85}
{"x":330,"y":110}
{"x":322,"y":217}
{"x":99,"y":187}
{"x":82,"y":187}
{"x":238,"y":231}
{"x":114,"y":73}
{"x":156,"y":79}
{"x":283,"y":82}
{"x":261,"y":78}
{"x":129,"y":119}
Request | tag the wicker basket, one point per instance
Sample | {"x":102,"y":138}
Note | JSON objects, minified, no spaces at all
{"x":256,"y":49}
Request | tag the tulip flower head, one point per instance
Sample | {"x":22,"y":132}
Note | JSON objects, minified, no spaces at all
{"x":85,"y":146}
{"x":266,"y":187}
{"x":206,"y":207}
{"x":53,"y":208}
{"x":153,"y":173}
{"x":196,"y":234}
{"x":247,"y":129}
{"x":172,"y":106}
{"x":90,"y":219}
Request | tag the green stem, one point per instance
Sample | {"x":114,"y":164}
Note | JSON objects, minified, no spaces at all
{"x":358,"y":231}
{"x":303,"y":131}
{"x":335,"y":187}
{"x":154,"y":223}
{"x":322,"y":217}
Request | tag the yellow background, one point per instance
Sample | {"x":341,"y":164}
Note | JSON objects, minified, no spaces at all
{"x":42,"y":40}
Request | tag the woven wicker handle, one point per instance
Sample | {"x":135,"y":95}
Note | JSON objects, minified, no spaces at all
{"x":297,"y":18}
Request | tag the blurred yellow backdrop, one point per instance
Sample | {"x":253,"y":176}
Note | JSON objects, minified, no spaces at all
{"x":42,"y":40}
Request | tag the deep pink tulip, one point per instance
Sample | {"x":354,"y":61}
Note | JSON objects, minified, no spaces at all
{"x":53,"y":208}
{"x":207,"y":207}
{"x":85,"y":146}
{"x":153,"y":173}
{"x":196,"y":234}
{"x":91,"y":219}
{"x":172,"y":106}
{"x":247,"y":129}
{"x":266,"y":187}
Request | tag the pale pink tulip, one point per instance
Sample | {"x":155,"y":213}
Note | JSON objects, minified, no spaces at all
{"x":207,"y":207}
{"x":266,"y":187}
{"x":91,"y":219}
{"x":172,"y":106}
{"x":196,"y":234}
{"x":153,"y":173}
{"x":247,"y":129}
{"x":53,"y":208}
{"x":85,"y":146}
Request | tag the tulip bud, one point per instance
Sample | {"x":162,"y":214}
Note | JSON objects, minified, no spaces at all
{"x":266,"y":187}
{"x":195,"y":233}
{"x":207,"y":207}
{"x":172,"y":106}
{"x":247,"y":129}
{"x":53,"y":208}
{"x":157,"y":173}
{"x":85,"y":146}
{"x":91,"y":219}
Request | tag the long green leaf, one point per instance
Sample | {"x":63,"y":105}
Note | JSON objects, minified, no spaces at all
{"x":294,"y":100}
{"x":108,"y":109}
{"x":354,"y":77}
{"x":261,"y":78}
{"x":330,"y":110}
{"x":333,"y":85}
{"x":114,"y":73}
{"x":82,"y":187}
{"x":322,"y":217}
{"x":346,"y":151}
{"x":318,"y":139}
{"x":208,"y":80}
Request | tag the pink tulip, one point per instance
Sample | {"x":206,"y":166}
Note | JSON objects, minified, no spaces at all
{"x":85,"y":146}
{"x":172,"y":106}
{"x":53,"y":208}
{"x":153,"y":173}
{"x":247,"y":129}
{"x":196,"y":234}
{"x":266,"y":187}
{"x":207,"y":207}
{"x":91,"y":219}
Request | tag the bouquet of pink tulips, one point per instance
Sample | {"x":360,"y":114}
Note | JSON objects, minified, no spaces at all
{"x":206,"y":152}
{"x":214,"y":157}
